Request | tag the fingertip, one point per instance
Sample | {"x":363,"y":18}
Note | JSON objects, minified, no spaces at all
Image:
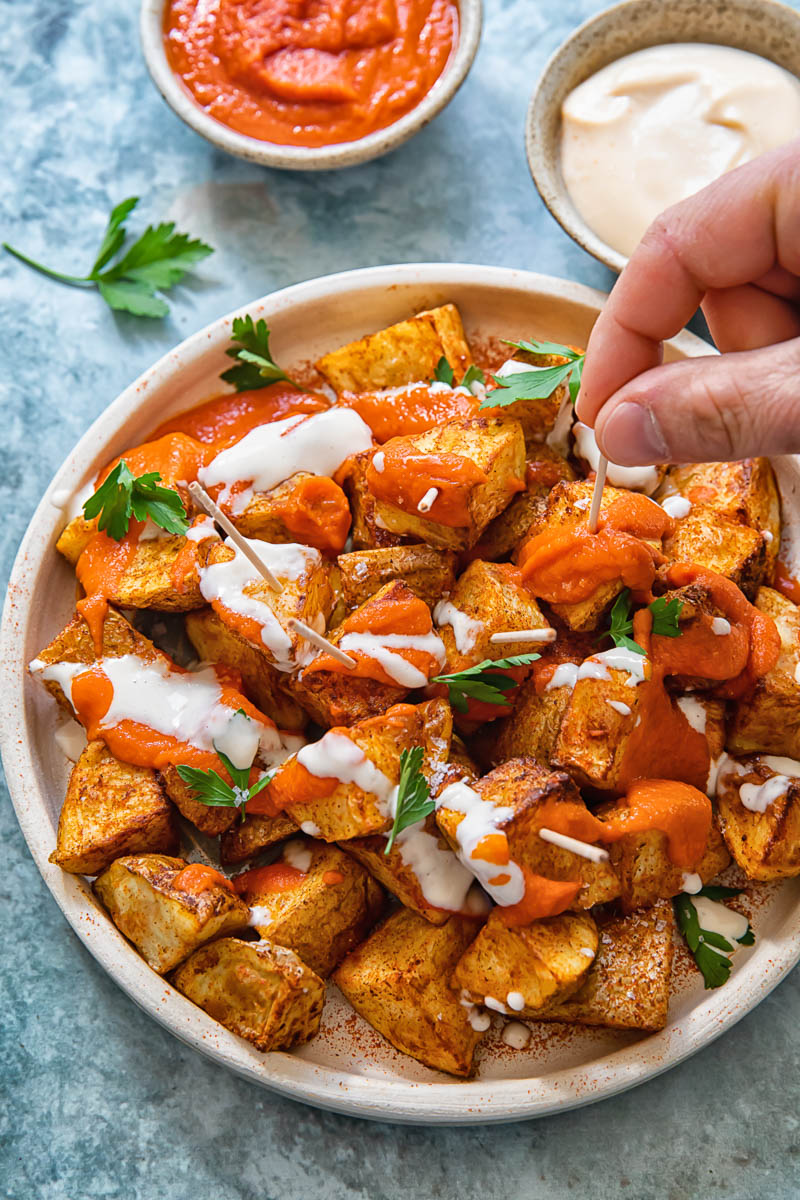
{"x":629,"y":434}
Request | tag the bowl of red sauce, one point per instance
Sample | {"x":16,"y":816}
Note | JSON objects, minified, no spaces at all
{"x":309,"y":84}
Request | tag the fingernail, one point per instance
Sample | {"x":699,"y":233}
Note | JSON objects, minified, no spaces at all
{"x":632,"y":436}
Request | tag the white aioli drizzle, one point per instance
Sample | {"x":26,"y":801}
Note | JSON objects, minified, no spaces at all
{"x":481,"y":819}
{"x":516,"y":1035}
{"x":718,"y":918}
{"x":676,"y":506}
{"x":565,"y":675}
{"x":298,"y":855}
{"x":694,"y":711}
{"x":515,"y":1001}
{"x":720,"y":626}
{"x":638,"y":479}
{"x":380,"y":647}
{"x":379,"y":461}
{"x":618,"y":659}
{"x":273,"y":452}
{"x":479,"y":1019}
{"x":624,"y":710}
{"x":466,"y":630}
{"x":335,"y":756}
{"x":691,"y":883}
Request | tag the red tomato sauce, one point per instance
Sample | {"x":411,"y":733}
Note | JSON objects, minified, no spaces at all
{"x":309,"y":72}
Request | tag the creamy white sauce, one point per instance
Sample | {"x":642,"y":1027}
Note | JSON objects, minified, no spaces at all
{"x":720,"y":627}
{"x":676,"y":506}
{"x":558,"y":437}
{"x":494,"y":1005}
{"x":624,"y":710}
{"x":587,"y":952}
{"x":479,"y":1019}
{"x":481,"y":818}
{"x":565,"y":675}
{"x":516,"y":1035}
{"x":656,"y":126}
{"x":466,"y":630}
{"x":691,"y":883}
{"x":718,"y":918}
{"x":260,"y":915}
{"x":637,"y":479}
{"x":273,"y":452}
{"x":201,"y":530}
{"x":694,"y":711}
{"x":335,"y":756}
{"x":298,"y":855}
{"x":379,"y":462}
{"x":311,"y":828}
{"x":617,"y":659}
{"x":515,"y":1001}
{"x":240,"y":740}
{"x":381,"y":648}
{"x":443,"y":880}
{"x":230,"y":584}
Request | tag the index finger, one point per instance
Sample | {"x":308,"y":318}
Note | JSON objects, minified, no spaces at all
{"x":731,"y":233}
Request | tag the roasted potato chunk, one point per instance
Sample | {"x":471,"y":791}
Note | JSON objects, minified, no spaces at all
{"x":336,"y":810}
{"x":715,"y":540}
{"x":525,"y":787}
{"x":315,"y":900}
{"x":111,"y":809}
{"x":398,"y":980}
{"x":262,"y":992}
{"x":745,"y":491}
{"x":628,"y":984}
{"x":646,"y":874}
{"x":209,"y":820}
{"x":404,"y":353}
{"x":496,"y":446}
{"x":303,"y":508}
{"x":217,"y":642}
{"x":759,"y":811}
{"x":166,"y":922}
{"x":543,"y":470}
{"x":255,"y":833}
{"x":768,"y":719}
{"x":519,"y":971}
{"x":367,"y":532}
{"x":488,"y":598}
{"x":429,"y":573}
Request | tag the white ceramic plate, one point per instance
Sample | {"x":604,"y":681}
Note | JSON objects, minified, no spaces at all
{"x":348,"y":1067}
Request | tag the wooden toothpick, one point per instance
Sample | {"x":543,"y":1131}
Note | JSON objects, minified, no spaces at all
{"x":584,"y":849}
{"x":320,"y":642}
{"x":204,"y":501}
{"x":597,"y":494}
{"x":524,"y":635}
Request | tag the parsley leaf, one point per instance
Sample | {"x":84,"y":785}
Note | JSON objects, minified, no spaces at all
{"x":665,"y":620}
{"x":444,"y":373}
{"x":539,"y":382}
{"x":255,"y":368}
{"x":481,"y":682}
{"x":413,"y":794}
{"x":703,"y":943}
{"x":212,"y":790}
{"x":122,"y":495}
{"x":156,"y":262}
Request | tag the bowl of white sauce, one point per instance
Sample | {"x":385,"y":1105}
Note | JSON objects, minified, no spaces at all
{"x":650,"y":101}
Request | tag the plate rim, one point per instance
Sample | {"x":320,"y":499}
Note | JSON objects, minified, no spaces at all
{"x":460,"y":1102}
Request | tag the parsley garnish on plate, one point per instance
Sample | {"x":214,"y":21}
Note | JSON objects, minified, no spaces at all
{"x":703,"y":943}
{"x":444,"y":373}
{"x":539,"y":382}
{"x":211,"y":789}
{"x":483,"y":681}
{"x":665,"y":620}
{"x":254,"y":364}
{"x":154,"y":263}
{"x":413,"y":794}
{"x":122,"y":495}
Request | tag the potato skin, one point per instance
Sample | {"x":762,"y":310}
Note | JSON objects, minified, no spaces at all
{"x":646,"y":874}
{"x":397,"y":876}
{"x":745,"y":491}
{"x":262,"y":992}
{"x":765,"y":845}
{"x":717,"y":541}
{"x":768,"y":720}
{"x":545,"y":962}
{"x":164,"y":922}
{"x":428,"y":572}
{"x":255,"y":833}
{"x":398,"y":980}
{"x":111,"y":809}
{"x":491,"y":594}
{"x":628,"y":984}
{"x":329,"y":912}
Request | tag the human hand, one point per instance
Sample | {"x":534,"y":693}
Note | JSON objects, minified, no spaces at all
{"x":735,"y":248}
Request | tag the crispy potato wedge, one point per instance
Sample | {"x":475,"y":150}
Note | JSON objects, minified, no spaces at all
{"x":497,"y":447}
{"x":765,"y":844}
{"x":111,"y":809}
{"x":209,"y":820}
{"x":745,"y":491}
{"x":255,"y":833}
{"x":366,"y":532}
{"x":429,"y":573}
{"x":519,"y":971}
{"x":491,"y":598}
{"x":628,"y":984}
{"x":544,"y":469}
{"x":715,"y":540}
{"x":217,"y":642}
{"x":404,"y":353}
{"x":260,"y":991}
{"x":305,"y":508}
{"x":398,"y":980}
{"x":768,"y":720}
{"x":165,"y":922}
{"x":523,"y":785}
{"x":540,"y":703}
{"x":331,"y":907}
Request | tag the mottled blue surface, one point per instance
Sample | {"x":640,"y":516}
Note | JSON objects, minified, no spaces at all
{"x":100,"y":1101}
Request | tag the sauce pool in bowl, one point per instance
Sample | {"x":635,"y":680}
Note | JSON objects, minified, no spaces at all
{"x":310,"y":74}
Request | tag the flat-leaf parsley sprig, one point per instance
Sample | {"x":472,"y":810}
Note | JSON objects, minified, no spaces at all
{"x":539,"y":382}
{"x":665,"y":621}
{"x":123,"y":495}
{"x":483,"y":682}
{"x":154,"y":263}
{"x":444,"y":373}
{"x":255,"y":367}
{"x":413,"y":794}
{"x":212,"y":790}
{"x":711,"y":950}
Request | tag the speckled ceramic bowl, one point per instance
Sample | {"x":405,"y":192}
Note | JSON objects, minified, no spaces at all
{"x":760,"y":26}
{"x":348,"y":1066}
{"x":307,"y":158}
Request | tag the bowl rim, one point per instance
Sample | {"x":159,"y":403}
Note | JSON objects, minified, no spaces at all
{"x":307,"y":158}
{"x":546,"y":177}
{"x":398,"y":1100}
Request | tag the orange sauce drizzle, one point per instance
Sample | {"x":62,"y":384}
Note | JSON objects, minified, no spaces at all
{"x":786,"y":583}
{"x":543,"y":898}
{"x":407,"y":475}
{"x":226,"y":419}
{"x":681,"y":812}
{"x":405,"y":614}
{"x":412,"y":410}
{"x":197,"y":878}
{"x":315,"y":511}
{"x":277,"y":877}
{"x":331,"y":878}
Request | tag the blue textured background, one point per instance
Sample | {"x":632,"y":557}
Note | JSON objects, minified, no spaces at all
{"x":100,"y":1102}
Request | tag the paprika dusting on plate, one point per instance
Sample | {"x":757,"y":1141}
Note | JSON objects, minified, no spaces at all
{"x":300,"y":74}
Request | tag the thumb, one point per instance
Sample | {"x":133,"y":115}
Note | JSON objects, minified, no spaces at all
{"x":707,"y":409}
